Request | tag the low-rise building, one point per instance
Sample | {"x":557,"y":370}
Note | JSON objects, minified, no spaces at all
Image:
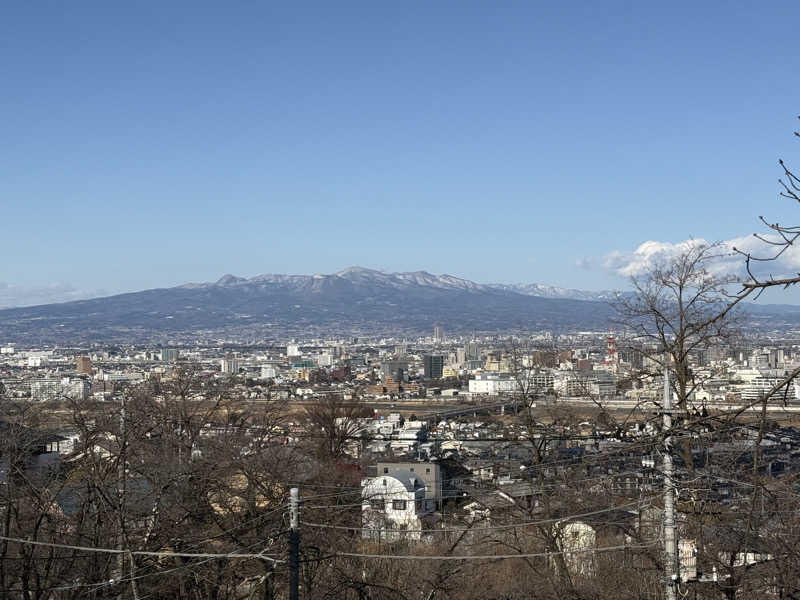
{"x":393,"y":506}
{"x":492,"y":383}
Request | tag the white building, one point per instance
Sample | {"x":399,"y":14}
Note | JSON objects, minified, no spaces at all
{"x":45,"y":390}
{"x":492,"y":383}
{"x":761,"y":385}
{"x":229,"y":365}
{"x":76,"y":388}
{"x":392,"y":504}
{"x":122,"y":377}
{"x":590,"y":383}
{"x":269,"y":372}
{"x":540,"y":380}
{"x":52,"y":388}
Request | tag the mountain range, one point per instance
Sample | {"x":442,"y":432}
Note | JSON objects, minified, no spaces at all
{"x":362,"y":276}
{"x":354,"y":301}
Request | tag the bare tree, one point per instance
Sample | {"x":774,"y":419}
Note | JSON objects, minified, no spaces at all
{"x":335,"y":424}
{"x":679,"y":307}
{"x":779,"y":240}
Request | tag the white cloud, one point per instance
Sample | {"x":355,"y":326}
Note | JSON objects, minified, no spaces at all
{"x":12,"y":295}
{"x":724,"y":262}
{"x":585,"y":263}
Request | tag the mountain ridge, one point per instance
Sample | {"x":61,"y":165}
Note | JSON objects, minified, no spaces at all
{"x":400,"y":278}
{"x":354,"y":301}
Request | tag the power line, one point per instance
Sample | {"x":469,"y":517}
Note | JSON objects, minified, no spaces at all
{"x":174,"y":569}
{"x":497,"y":556}
{"x":492,"y":528}
{"x":159,"y":553}
{"x":239,"y":526}
{"x":123,"y":580}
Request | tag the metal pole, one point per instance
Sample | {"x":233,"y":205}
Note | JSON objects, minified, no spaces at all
{"x":670,"y":554}
{"x":294,"y":544}
{"x":121,"y":498}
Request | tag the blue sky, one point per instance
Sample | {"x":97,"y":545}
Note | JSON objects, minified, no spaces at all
{"x":148,"y":144}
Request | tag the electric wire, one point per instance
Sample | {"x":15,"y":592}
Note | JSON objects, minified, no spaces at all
{"x":490,"y":528}
{"x":157,"y":553}
{"x":491,"y":557}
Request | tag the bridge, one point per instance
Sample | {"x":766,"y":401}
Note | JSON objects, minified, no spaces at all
{"x":508,"y":404}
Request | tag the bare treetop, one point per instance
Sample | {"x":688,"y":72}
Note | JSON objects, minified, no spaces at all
{"x":777,"y":243}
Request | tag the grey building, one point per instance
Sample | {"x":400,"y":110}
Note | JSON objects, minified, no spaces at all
{"x":472,"y":351}
{"x":434,"y":366}
{"x":429,"y":473}
{"x":396,"y":369}
{"x":169,"y":354}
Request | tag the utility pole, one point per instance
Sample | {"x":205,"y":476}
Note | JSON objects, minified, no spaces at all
{"x":670,"y":554}
{"x":294,"y":544}
{"x":121,"y":490}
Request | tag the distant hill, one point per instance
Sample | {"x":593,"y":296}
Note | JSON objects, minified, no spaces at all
{"x":354,"y":301}
{"x":550,"y":291}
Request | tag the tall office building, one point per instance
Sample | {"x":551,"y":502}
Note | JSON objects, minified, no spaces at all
{"x":461,"y":357}
{"x":438,"y":334}
{"x":83,"y":364}
{"x":434,"y":366}
{"x":472,"y":351}
{"x":169,"y":354}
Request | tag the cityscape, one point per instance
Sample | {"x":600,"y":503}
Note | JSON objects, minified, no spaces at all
{"x":563,"y":364}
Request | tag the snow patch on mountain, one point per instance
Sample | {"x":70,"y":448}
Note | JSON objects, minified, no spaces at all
{"x":361,"y":276}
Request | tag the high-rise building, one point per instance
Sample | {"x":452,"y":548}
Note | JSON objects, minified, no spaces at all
{"x":169,"y":355}
{"x":434,"y":365}
{"x":472,"y":351}
{"x":394,"y":369}
{"x":438,"y":334}
{"x":229,"y":365}
{"x":83,"y":364}
{"x":461,"y":357}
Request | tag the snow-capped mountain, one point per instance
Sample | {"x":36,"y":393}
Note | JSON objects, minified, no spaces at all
{"x":363,"y":276}
{"x":550,"y":291}
{"x":354,"y":300}
{"x":355,"y":275}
